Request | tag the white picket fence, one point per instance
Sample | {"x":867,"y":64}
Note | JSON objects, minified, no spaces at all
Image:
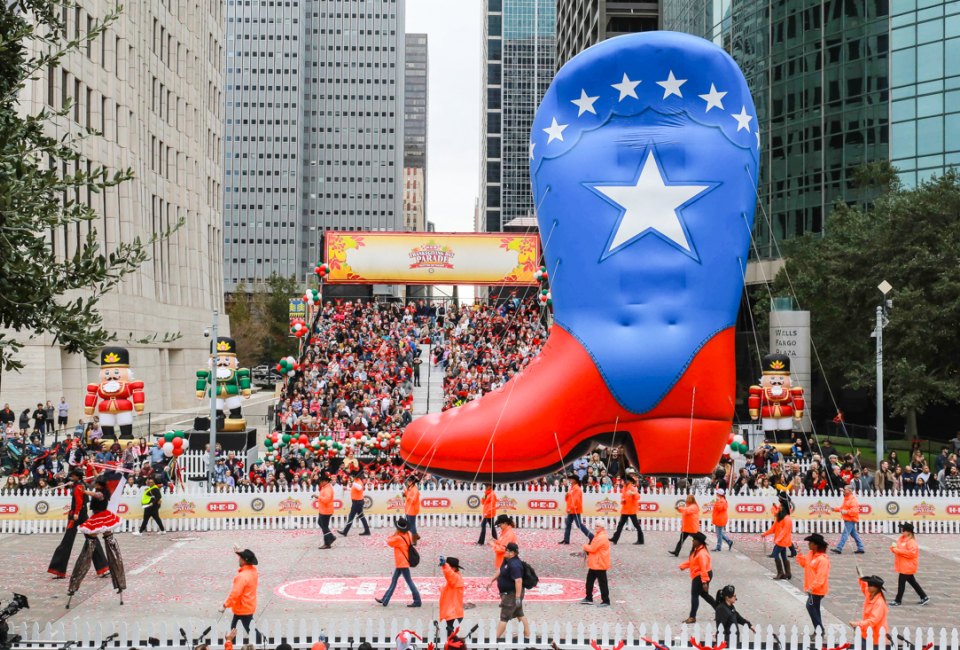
{"x":382,"y":633}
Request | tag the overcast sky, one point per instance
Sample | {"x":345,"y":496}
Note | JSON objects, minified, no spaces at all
{"x":453,"y":31}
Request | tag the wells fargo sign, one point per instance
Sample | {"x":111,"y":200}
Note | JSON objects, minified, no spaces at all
{"x":431,"y":258}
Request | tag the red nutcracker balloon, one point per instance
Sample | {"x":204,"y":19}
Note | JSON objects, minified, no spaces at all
{"x":775,"y":400}
{"x":117,"y":393}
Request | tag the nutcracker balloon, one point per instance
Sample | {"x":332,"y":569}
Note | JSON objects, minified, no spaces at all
{"x":775,"y":400}
{"x":117,"y":393}
{"x":232,"y":382}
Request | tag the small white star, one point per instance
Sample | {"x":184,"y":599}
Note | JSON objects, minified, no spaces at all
{"x":532,"y":145}
{"x":671,"y":86}
{"x":713,"y":98}
{"x":555,"y":131}
{"x":743,"y":120}
{"x":627,"y":88}
{"x":585,"y":104}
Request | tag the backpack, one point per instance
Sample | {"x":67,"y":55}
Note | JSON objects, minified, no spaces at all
{"x":530,"y":579}
{"x":413,"y":556}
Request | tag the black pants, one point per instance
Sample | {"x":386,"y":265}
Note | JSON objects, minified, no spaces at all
{"x":356,"y":513}
{"x":324,"y":523}
{"x":151,"y":512}
{"x":451,"y":624}
{"x":697,"y":591}
{"x":483,"y":529}
{"x":594,"y":576}
{"x":683,"y":538}
{"x":813,"y":609}
{"x":902,"y":580}
{"x":245,"y":620}
{"x":61,"y":556}
{"x":623,"y":522}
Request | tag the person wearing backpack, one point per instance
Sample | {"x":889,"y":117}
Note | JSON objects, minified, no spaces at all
{"x":510,"y":584}
{"x":404,"y":557}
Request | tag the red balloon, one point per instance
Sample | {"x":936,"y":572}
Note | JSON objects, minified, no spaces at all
{"x":177,"y":451}
{"x":303,"y":439}
{"x":177,"y":443}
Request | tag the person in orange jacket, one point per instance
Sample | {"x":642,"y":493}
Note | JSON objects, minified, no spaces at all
{"x":906,"y":560}
{"x":356,"y":505}
{"x":782,"y":531}
{"x":451,"y":593}
{"x":507,"y":535}
{"x":690,"y":522}
{"x":598,"y":563}
{"x":324,"y":497}
{"x":243,"y":596}
{"x":701,"y":573}
{"x":489,"y":505}
{"x":719,"y":516}
{"x":411,"y":505}
{"x":816,"y":576}
{"x":629,"y":507}
{"x":400,"y":542}
{"x":574,"y":501}
{"x":850,"y":511}
{"x":874,"y":609}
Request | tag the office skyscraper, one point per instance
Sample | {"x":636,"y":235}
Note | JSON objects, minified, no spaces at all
{"x":416,"y":99}
{"x":582,"y":23}
{"x":323,"y":82}
{"x":519,"y":60}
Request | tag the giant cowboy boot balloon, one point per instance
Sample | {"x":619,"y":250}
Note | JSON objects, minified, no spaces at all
{"x":643,"y":159}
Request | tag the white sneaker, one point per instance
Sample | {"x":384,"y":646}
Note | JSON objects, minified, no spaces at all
{"x":163,"y":532}
{"x":136,"y":533}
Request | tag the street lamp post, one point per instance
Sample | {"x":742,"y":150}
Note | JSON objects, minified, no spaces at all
{"x":212,"y":459}
{"x":881,"y":321}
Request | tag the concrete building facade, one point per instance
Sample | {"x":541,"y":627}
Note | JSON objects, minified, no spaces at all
{"x":151,"y":83}
{"x":582,"y":23}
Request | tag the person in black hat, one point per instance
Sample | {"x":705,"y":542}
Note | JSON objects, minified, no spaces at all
{"x":816,"y":576}
{"x":701,"y":573}
{"x":874,"y":610}
{"x":451,"y":593}
{"x":727,"y":617}
{"x":76,"y":515}
{"x":325,"y":507}
{"x":243,"y":596}
{"x":509,"y":581}
{"x":574,"y":506}
{"x":906,"y":561}
{"x":401,"y":542}
{"x":488,"y":512}
{"x":411,"y":505}
{"x":629,"y":506}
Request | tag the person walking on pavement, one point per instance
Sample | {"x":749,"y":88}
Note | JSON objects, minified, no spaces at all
{"x":324,"y":497}
{"x":489,"y":505}
{"x":701,"y":573}
{"x":598,"y":563}
{"x":507,"y":536}
{"x":689,"y":524}
{"x":356,"y":506}
{"x":874,"y":620}
{"x":242,"y":600}
{"x":574,"y":503}
{"x":906,"y":560}
{"x":411,"y":506}
{"x":816,"y":576}
{"x":782,"y":531}
{"x":509,"y":580}
{"x":150,"y":500}
{"x":401,"y":541}
{"x":451,"y":593}
{"x":719,"y":516}
{"x":850,"y":511}
{"x":727,"y":617}
{"x":629,"y":507}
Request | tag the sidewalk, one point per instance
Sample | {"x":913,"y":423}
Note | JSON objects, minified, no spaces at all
{"x":428,"y":396}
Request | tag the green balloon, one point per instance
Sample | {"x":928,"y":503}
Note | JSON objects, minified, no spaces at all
{"x":286,"y":438}
{"x":168,"y":436}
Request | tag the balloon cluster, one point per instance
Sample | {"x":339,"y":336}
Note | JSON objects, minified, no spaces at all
{"x":288,"y":366}
{"x":540,"y":275}
{"x":357,"y":442}
{"x":311,"y":297}
{"x":322,"y":270}
{"x":173,"y":443}
{"x":298,"y":327}
{"x":544,"y":297}
{"x":735,"y":443}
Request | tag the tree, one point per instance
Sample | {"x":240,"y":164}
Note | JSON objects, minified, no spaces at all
{"x":260,"y":321}
{"x":42,"y":291}
{"x":910,"y":238}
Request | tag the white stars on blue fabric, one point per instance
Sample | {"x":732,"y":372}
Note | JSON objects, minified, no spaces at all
{"x":555,"y":131}
{"x":714,"y":98}
{"x":671,"y":86}
{"x":627,"y":88}
{"x":585,"y":103}
{"x":743,"y":120}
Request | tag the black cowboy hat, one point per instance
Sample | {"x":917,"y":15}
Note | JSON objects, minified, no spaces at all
{"x":503,"y":519}
{"x":874,"y":581}
{"x":454,"y":562}
{"x":907,"y":526}
{"x":247,"y":556}
{"x":699,"y":537}
{"x":401,"y":524}
{"x":817,"y":539}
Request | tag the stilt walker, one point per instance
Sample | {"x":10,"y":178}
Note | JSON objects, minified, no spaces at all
{"x":76,"y":516}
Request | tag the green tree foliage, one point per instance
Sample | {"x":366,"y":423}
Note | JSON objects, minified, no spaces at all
{"x":911,"y":239}
{"x":41,"y":291}
{"x":260,"y":321}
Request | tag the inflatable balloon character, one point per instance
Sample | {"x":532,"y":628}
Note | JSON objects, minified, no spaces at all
{"x":231,"y":382}
{"x":775,"y":400}
{"x":117,"y":396}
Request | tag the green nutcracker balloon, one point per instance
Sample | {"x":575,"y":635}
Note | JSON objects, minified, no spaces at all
{"x":232,"y":383}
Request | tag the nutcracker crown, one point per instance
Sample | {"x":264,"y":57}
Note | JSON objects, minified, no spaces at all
{"x":776,"y":364}
{"x":114,"y":357}
{"x":225,"y":345}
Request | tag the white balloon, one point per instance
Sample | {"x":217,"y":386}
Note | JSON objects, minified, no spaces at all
{"x":186,"y":444}
{"x":168,"y":449}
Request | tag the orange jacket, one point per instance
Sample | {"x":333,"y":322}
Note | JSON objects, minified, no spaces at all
{"x":574,"y":499}
{"x":451,"y":595}
{"x":719,"y":515}
{"x":816,"y":573}
{"x":691,"y":518}
{"x":401,"y":543}
{"x":489,"y":504}
{"x":782,"y":532}
{"x":411,"y":503}
{"x":874,"y":614}
{"x":699,"y":564}
{"x":630,"y":500}
{"x":356,"y":490}
{"x":849,"y":509}
{"x":906,"y":555}
{"x":507,"y":535}
{"x":325,"y":500}
{"x":598,"y":552}
{"x":243,"y":597}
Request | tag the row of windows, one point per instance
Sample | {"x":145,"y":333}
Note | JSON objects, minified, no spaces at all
{"x":268,"y":87}
{"x":266,"y":21}
{"x":266,"y":122}
{"x":261,"y":37}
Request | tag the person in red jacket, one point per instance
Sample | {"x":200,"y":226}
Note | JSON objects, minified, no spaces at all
{"x":574,"y":500}
{"x":598,"y":563}
{"x":701,"y":573}
{"x":507,"y":536}
{"x":816,"y":576}
{"x":850,"y":511}
{"x":451,"y":593}
{"x":356,"y":505}
{"x":400,"y":542}
{"x":243,"y":595}
{"x":324,"y":497}
{"x":629,"y":507}
{"x":411,"y":505}
{"x":874,"y":610}
{"x":489,"y":512}
{"x":782,"y":531}
{"x":690,"y":522}
{"x":719,"y":517}
{"x":906,"y":561}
